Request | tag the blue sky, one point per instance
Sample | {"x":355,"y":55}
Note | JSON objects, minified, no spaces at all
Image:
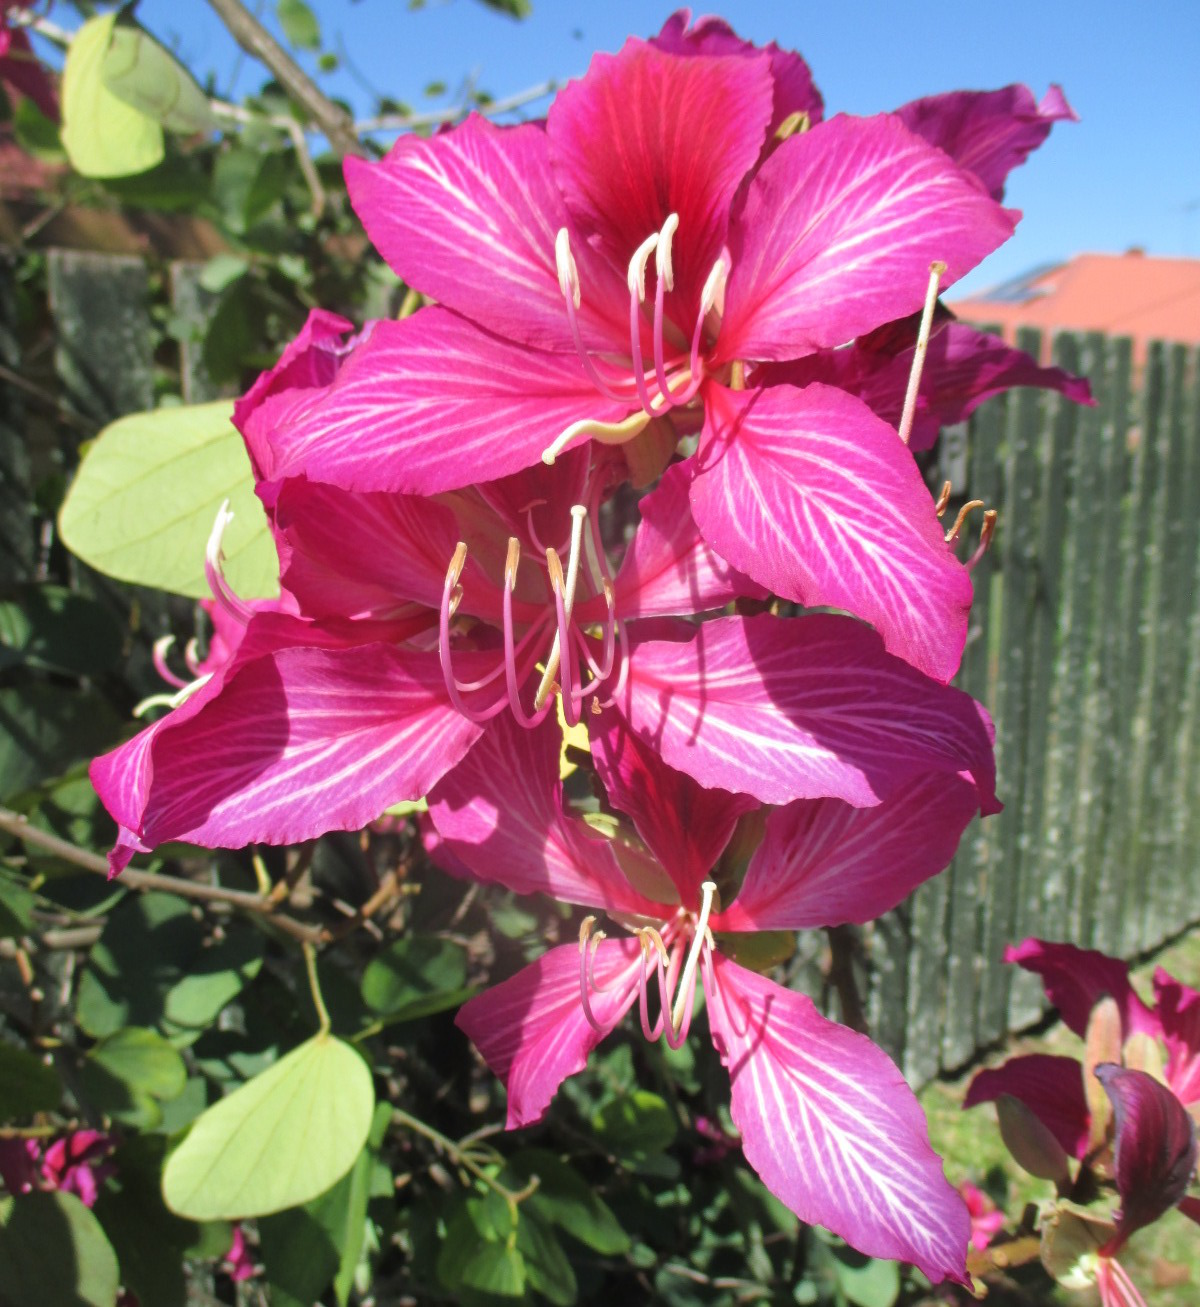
{"x":1127,"y":174}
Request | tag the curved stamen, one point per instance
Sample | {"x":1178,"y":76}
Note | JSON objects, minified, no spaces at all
{"x":568,"y":281}
{"x":191,"y":656}
{"x":161,"y":646}
{"x":214,"y":560}
{"x":562,"y":646}
{"x":585,"y":930}
{"x":564,"y":601}
{"x":665,"y":282}
{"x":636,"y":280}
{"x":448,"y":605}
{"x":651,"y":1032}
{"x":595,"y":985}
{"x":510,"y":656}
{"x":604,"y":433}
{"x":687,"y":982}
{"x":936,"y":268}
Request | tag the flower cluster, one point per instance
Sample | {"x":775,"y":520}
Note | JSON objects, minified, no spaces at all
{"x":1127,"y":1113}
{"x":666,"y":388}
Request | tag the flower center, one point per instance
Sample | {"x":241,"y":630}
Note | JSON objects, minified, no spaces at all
{"x":569,"y":667}
{"x":671,"y":955}
{"x":673,"y":379}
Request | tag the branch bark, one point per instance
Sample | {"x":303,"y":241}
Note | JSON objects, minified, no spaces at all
{"x":334,"y":123}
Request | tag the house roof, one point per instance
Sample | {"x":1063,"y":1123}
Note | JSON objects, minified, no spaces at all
{"x":1131,"y":294}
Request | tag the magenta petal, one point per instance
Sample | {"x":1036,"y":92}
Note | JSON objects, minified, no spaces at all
{"x":433,"y":403}
{"x":987,"y":132}
{"x":837,"y":234}
{"x":808,"y":492}
{"x":1050,"y":1086}
{"x":684,"y":826}
{"x":806,"y":708}
{"x":469,"y":216}
{"x":646,"y":134}
{"x":1076,"y":979}
{"x":500,"y":813}
{"x":822,"y":862}
{"x":829,"y":1124}
{"x":1178,"y":1008}
{"x":669,"y":568}
{"x":531,"y":1029}
{"x":361,"y":554}
{"x":1155,"y":1145}
{"x":794,"y":88}
{"x":22,"y":70}
{"x":295,"y":743}
{"x":285,"y":392}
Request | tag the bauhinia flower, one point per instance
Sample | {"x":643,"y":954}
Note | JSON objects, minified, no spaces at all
{"x":1125,"y":1112}
{"x":825,"y":1118}
{"x":618,"y":273}
{"x":407,"y":624}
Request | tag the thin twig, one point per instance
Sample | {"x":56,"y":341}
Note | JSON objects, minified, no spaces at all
{"x":17,"y":825}
{"x":334,"y":122}
{"x":400,"y":122}
{"x":45,"y":397}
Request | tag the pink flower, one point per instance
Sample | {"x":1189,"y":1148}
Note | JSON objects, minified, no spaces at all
{"x":75,"y":1163}
{"x":407,"y":624}
{"x":19,"y":66}
{"x":825,"y":1118}
{"x":617,"y":272}
{"x":238,"y":1261}
{"x":986,"y":1219}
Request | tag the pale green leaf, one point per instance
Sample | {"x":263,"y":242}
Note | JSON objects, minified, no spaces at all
{"x":54,"y":1251}
{"x":299,"y":24}
{"x":103,"y":136}
{"x":138,"y":71}
{"x":278,"y":1141}
{"x":143,"y":503}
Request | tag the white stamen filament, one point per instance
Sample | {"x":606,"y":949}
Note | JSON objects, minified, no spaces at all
{"x":604,"y":433}
{"x":564,"y":587}
{"x":214,"y":559}
{"x":687,"y":981}
{"x":936,"y":269}
{"x":162,"y":647}
{"x":568,"y":272}
{"x":662,"y":253}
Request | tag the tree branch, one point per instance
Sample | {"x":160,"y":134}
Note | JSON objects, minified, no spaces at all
{"x":333,"y":122}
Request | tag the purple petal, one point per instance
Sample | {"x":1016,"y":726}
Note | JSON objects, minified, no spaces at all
{"x":294,"y":743}
{"x":1051,"y":1087}
{"x":804,"y":708}
{"x":1155,"y":1145}
{"x":532,"y":1031}
{"x":1178,"y":1008}
{"x":432,"y":403}
{"x":987,"y":132}
{"x":822,"y":862}
{"x":500,"y":813}
{"x":809,"y":493}
{"x":837,"y":234}
{"x":1075,"y":979}
{"x":469,"y":216}
{"x":794,"y":88}
{"x":646,"y":134}
{"x":669,"y":568}
{"x":829,"y":1124}
{"x":684,"y":826}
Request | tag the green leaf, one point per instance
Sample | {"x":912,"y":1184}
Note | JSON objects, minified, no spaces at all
{"x":564,"y":1198}
{"x":298,"y":1255}
{"x":143,"y":503}
{"x":145,"y":76}
{"x":103,"y":135}
{"x":546,"y":1264}
{"x":299,"y":24}
{"x":866,"y":1281}
{"x":53,"y":1250}
{"x":129,"y":1072}
{"x":52,"y":629}
{"x":215,"y":976}
{"x":416,"y":976}
{"x":636,"y":1125}
{"x":495,"y":1268}
{"x":36,"y":134}
{"x":27,"y":1084}
{"x":278,"y":1141}
{"x":221,"y":270}
{"x":44,"y":728}
{"x":513,"y":8}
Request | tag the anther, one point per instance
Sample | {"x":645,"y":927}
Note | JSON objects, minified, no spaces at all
{"x":963,"y":513}
{"x":636,"y":276}
{"x":943,"y":499}
{"x":568,"y":272}
{"x":793,"y":125}
{"x":687,"y":980}
{"x":713,"y":294}
{"x":585,"y":931}
{"x":512,"y":562}
{"x":985,"y":538}
{"x":936,"y":269}
{"x":214,"y":559}
{"x":161,"y":648}
{"x":662,"y":253}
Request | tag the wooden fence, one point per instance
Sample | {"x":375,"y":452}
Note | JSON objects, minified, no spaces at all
{"x":1084,"y":643}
